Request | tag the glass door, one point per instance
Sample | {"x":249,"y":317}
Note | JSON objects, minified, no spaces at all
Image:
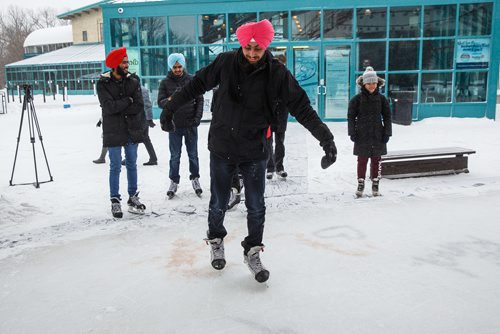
{"x":306,"y":71}
{"x":335,"y":84}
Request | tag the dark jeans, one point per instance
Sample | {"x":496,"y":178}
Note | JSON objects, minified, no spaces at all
{"x":375,"y":167}
{"x":115,"y":159}
{"x":221,"y":173}
{"x":276,"y":156}
{"x":149,"y":145}
{"x":190,"y":136}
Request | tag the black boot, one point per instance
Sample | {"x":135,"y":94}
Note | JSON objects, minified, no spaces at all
{"x":361,"y":187}
{"x":102,"y":158}
{"x":375,"y":187}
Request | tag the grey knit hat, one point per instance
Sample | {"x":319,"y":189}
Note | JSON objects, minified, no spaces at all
{"x":370,"y":76}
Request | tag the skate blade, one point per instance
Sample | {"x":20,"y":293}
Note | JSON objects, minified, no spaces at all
{"x":135,"y":211}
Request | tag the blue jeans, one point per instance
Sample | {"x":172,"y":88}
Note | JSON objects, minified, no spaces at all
{"x":175,"y":143}
{"x":221,"y":173}
{"x":115,"y":166}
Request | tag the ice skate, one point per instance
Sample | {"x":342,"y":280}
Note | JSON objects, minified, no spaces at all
{"x":172,"y":190}
{"x":282,"y":174}
{"x":252,"y":259}
{"x":375,"y":187}
{"x":116,"y":208}
{"x":134,"y":205}
{"x":269,"y":175}
{"x":234,"y":199}
{"x":361,"y":188}
{"x":196,"y":186}
{"x":217,"y":256}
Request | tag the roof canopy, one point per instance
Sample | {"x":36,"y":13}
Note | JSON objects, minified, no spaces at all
{"x":82,"y":53}
{"x":54,"y":35}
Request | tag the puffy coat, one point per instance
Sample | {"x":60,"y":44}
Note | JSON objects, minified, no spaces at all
{"x":122,"y":119}
{"x":369,"y":119}
{"x":248,"y":99}
{"x":188,"y":115}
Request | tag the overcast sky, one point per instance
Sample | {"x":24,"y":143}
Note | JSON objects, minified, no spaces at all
{"x":60,"y":6}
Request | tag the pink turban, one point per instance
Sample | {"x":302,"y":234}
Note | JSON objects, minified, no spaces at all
{"x":262,"y":32}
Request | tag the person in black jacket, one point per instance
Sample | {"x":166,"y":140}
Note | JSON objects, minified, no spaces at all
{"x":123,"y":124}
{"x":278,"y":128}
{"x":369,"y":127}
{"x":253,"y":89}
{"x":185,"y":124}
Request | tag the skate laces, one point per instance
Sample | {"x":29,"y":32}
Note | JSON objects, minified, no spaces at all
{"x":254,"y":259}
{"x":196,"y":183}
{"x":134,"y":200}
{"x":217,"y":247}
{"x":116,"y":207}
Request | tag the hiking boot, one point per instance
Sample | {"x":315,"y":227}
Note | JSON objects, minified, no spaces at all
{"x":269,"y":175}
{"x":196,"y":186}
{"x":217,"y":256}
{"x":282,"y":173}
{"x":116,"y":208}
{"x":150,"y":163}
{"x":252,"y":259}
{"x":172,"y":189}
{"x":234,"y":198}
{"x":361,"y":187}
{"x":375,"y":187}
{"x":134,"y":205}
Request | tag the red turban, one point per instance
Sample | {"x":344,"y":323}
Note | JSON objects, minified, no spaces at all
{"x":115,"y":57}
{"x":262,"y":32}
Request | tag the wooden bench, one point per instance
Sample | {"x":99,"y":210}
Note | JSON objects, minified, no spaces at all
{"x":425,"y":162}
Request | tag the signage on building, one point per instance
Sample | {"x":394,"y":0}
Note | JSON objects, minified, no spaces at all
{"x":473,"y":53}
{"x":134,"y":62}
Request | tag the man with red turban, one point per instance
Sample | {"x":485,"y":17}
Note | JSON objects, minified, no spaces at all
{"x":123,"y":123}
{"x":253,"y":90}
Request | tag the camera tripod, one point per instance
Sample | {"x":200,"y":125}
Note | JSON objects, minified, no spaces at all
{"x":33,"y":125}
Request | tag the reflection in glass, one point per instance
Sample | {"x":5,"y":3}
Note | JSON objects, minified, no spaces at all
{"x":208,"y":53}
{"x":403,"y":82}
{"x":152,"y":31}
{"x":436,"y":87}
{"x":471,"y":86}
{"x":337,"y":70}
{"x":212,"y":28}
{"x":405,"y":22}
{"x":152,"y":85}
{"x":306,"y":24}
{"x":337,"y":23}
{"x":123,"y":32}
{"x":371,"y":54}
{"x":237,"y":20}
{"x":182,"y":29}
{"x":154,"y":62}
{"x":403,"y":55}
{"x":306,"y":69}
{"x":439,"y":20}
{"x":475,"y":19}
{"x":371,"y":22}
{"x":438,"y":54}
{"x":280,"y":24}
{"x":190,"y":55}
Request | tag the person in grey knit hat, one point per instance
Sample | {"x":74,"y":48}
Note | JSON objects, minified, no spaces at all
{"x":369,"y":127}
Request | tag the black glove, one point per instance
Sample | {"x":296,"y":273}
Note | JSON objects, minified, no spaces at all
{"x":167,"y":121}
{"x":385,"y":138}
{"x":151,"y":124}
{"x":330,"y":155}
{"x":99,"y":124}
{"x":354,"y":138}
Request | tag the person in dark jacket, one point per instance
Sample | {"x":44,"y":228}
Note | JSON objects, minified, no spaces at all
{"x":278,"y":128}
{"x":123,"y":123}
{"x":148,"y":110}
{"x":253,"y":87}
{"x":369,"y":127}
{"x":185,"y":124}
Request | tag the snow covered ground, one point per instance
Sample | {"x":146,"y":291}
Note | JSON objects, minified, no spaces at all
{"x":423,"y":258}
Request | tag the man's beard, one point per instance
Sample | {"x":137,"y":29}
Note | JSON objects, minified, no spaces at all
{"x":121,"y":72}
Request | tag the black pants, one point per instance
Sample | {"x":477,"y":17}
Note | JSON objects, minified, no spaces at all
{"x":276,"y":155}
{"x":149,"y":145}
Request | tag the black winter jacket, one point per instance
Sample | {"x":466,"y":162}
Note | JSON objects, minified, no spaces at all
{"x":248,"y":99}
{"x":188,"y":115}
{"x":122,"y":119}
{"x":369,"y":119}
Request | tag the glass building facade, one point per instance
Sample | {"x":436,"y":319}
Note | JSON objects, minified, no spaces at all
{"x":442,"y":53}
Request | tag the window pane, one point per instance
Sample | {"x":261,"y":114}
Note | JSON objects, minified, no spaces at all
{"x":403,"y":55}
{"x":371,"y":22}
{"x":439,"y":20}
{"x":152,"y":31}
{"x":280,"y":24}
{"x":212,"y":28}
{"x":190,"y":55}
{"x":153,"y":62}
{"x":152,"y":85}
{"x":182,"y":29}
{"x":208,"y":53}
{"x":371,"y":54}
{"x":236,"y":20}
{"x":403,"y":82}
{"x":405,"y":22}
{"x":123,"y":32}
{"x":436,"y":87}
{"x":471,"y":86}
{"x":438,"y":54}
{"x":475,"y":19}
{"x":306,"y":25}
{"x":337,"y":23}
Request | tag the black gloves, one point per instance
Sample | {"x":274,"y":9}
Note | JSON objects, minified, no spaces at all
{"x":330,"y":155}
{"x":98,"y":124}
{"x":151,"y":124}
{"x":354,"y":138}
{"x":167,"y":121}
{"x":385,"y":138}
